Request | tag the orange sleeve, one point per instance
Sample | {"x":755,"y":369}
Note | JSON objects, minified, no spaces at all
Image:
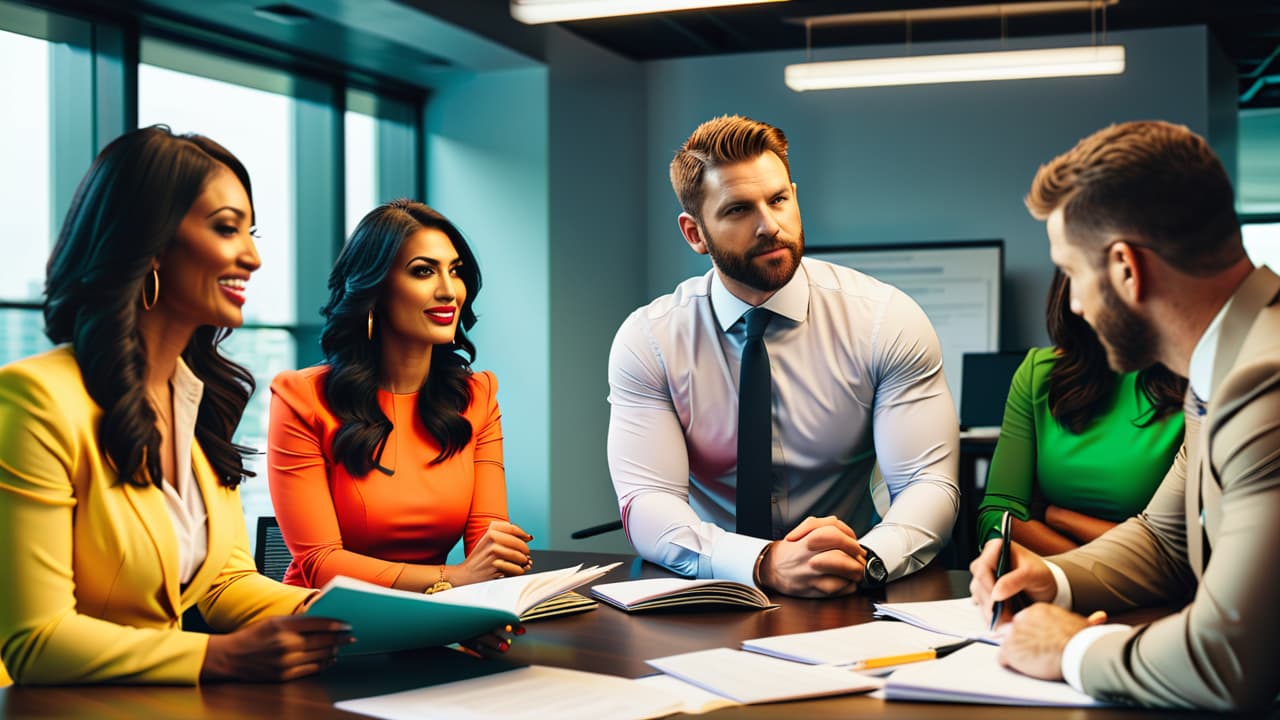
{"x":299,"y":480}
{"x":489,"y":502}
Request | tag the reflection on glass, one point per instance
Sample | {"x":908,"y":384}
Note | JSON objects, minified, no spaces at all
{"x":265,"y":353}
{"x":21,"y":334}
{"x":25,"y":235}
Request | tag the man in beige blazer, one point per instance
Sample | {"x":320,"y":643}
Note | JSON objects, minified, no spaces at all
{"x":1141,"y":218}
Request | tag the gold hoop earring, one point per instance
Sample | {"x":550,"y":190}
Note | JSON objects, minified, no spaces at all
{"x":155,"y":296}
{"x":370,"y":332}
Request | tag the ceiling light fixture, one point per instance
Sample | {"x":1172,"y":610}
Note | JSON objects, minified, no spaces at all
{"x":534,"y":12}
{"x":959,"y":67}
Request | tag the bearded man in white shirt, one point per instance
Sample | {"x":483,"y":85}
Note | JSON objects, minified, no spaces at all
{"x":855,"y":373}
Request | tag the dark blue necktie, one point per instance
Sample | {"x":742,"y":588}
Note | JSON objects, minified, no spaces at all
{"x":755,"y":431}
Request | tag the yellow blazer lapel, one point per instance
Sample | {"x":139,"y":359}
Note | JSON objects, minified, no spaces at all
{"x":148,"y":503}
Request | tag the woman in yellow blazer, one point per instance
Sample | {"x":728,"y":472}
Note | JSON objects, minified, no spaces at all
{"x":118,"y":501}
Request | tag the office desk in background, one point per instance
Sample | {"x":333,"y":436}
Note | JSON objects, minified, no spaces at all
{"x":604,"y":640}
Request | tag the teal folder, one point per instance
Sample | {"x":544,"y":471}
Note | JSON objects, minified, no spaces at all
{"x":384,"y":620}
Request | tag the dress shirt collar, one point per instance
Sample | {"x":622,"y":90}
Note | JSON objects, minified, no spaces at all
{"x":791,"y":301}
{"x":1200,"y":369}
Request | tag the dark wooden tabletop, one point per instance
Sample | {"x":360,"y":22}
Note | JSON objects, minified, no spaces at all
{"x":604,"y":640}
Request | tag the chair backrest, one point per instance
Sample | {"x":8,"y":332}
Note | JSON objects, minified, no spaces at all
{"x":271,"y":555}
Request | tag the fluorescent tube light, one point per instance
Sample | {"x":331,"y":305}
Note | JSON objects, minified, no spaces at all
{"x":961,"y":67}
{"x":533,"y":12}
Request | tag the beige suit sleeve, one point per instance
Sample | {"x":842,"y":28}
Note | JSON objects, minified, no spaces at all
{"x":1217,"y":653}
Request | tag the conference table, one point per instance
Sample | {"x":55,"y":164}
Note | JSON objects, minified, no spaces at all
{"x":603,"y":640}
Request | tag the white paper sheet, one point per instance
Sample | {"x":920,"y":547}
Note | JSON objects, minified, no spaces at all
{"x":754,"y":678}
{"x":846,"y":645}
{"x":529,"y":693}
{"x":975,"y":675}
{"x":959,"y":617}
{"x":693,"y":699}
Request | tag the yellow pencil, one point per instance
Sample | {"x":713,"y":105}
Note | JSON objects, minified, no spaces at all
{"x":930,"y":654}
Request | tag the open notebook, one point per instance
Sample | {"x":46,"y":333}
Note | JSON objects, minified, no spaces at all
{"x":654,"y":593}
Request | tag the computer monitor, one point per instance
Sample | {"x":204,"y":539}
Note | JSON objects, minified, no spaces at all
{"x":985,"y":387}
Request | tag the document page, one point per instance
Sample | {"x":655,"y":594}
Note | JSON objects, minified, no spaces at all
{"x":959,"y":617}
{"x":530,"y":693}
{"x":846,"y":645}
{"x":693,"y":699}
{"x":752,"y":678}
{"x":975,"y":675}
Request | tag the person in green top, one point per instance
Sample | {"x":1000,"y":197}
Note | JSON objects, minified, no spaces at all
{"x":1081,"y":447}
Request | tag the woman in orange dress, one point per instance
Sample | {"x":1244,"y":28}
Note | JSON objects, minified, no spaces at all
{"x":387,"y":454}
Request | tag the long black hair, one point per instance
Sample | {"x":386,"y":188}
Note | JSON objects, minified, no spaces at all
{"x":1081,"y":382}
{"x":351,"y":389}
{"x":125,"y":214}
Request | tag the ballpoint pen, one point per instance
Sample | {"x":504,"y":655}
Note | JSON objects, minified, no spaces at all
{"x":930,"y":654}
{"x":1002,"y":562}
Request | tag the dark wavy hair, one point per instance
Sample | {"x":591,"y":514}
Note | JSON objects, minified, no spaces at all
{"x":1081,"y":381}
{"x":351,"y":388}
{"x":125,"y":214}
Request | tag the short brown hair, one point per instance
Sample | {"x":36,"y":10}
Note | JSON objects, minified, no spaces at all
{"x":1152,"y":179}
{"x":721,"y":141}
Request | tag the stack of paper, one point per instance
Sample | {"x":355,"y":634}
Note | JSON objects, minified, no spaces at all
{"x":653,"y":593}
{"x":975,"y":675}
{"x":959,"y":617}
{"x":750,"y":678}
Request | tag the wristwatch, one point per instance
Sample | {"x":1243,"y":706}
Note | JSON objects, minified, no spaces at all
{"x":875,"y":575}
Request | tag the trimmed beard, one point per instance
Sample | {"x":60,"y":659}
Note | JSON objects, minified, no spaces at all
{"x":740,"y":267}
{"x":1128,"y":338}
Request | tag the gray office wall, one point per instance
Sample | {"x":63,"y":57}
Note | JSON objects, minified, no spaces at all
{"x":486,"y":160}
{"x":597,"y":161}
{"x":929,"y":162}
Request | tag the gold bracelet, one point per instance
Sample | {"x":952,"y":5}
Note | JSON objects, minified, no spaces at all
{"x":440,"y":585}
{"x":755,"y":574}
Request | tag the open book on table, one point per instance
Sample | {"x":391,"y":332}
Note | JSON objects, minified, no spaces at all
{"x":653,"y":593}
{"x":383,"y":619}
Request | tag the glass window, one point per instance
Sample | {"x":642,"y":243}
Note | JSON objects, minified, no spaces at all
{"x":25,"y":145}
{"x":1262,"y":243}
{"x":256,"y":125}
{"x":360,"y":138}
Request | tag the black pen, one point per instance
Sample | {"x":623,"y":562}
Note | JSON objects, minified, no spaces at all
{"x":1002,"y":563}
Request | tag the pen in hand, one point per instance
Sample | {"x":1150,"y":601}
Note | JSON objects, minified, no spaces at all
{"x":1002,"y":562}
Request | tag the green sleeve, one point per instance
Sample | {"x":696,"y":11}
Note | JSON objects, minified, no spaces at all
{"x":1012,"y":474}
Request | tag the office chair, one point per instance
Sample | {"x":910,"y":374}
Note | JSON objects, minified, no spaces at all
{"x":271,"y":555}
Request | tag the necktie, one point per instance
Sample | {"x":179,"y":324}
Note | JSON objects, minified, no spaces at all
{"x":755,"y":431}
